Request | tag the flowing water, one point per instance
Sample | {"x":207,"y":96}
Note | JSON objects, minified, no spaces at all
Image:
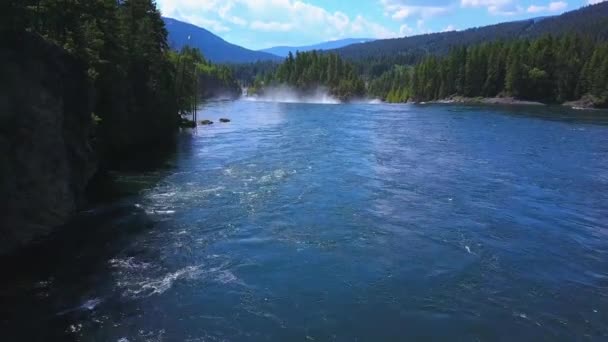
{"x":352,"y":222}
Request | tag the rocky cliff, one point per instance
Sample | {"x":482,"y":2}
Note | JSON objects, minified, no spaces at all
{"x":46,"y":159}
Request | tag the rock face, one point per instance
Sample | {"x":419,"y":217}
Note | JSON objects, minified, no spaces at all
{"x":46,"y":159}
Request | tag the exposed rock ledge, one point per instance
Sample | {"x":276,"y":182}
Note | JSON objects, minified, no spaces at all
{"x":46,"y":159}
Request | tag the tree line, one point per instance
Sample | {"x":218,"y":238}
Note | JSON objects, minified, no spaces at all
{"x":309,"y":70}
{"x":547,"y":69}
{"x":591,"y":21}
{"x":198,"y":79}
{"x":139,"y":84}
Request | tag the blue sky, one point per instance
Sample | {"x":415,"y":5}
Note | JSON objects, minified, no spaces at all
{"x":258,"y":24}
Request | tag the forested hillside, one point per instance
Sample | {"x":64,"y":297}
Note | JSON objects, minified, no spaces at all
{"x":283,"y":51}
{"x":216,"y":49}
{"x":376,"y":57}
{"x":546,"y":69}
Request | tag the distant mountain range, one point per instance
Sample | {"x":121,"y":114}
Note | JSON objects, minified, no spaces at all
{"x":218,"y":50}
{"x":591,"y":21}
{"x":283,"y":51}
{"x":213,"y":47}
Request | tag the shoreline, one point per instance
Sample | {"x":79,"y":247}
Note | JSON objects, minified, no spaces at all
{"x":488,"y":100}
{"x":581,"y":104}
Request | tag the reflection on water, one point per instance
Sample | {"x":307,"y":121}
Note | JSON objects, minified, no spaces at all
{"x":316,"y":222}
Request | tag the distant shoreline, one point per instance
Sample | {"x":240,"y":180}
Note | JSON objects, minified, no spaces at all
{"x":488,"y":100}
{"x":582,"y":104}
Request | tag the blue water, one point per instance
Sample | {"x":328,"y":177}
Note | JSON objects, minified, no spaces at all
{"x":350,"y":222}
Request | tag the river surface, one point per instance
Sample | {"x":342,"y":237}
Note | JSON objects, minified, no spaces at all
{"x":358,"y":222}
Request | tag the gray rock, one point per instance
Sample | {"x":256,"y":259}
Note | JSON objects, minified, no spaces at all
{"x":46,"y":159}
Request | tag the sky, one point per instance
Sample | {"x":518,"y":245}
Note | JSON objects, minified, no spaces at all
{"x":259,"y":24}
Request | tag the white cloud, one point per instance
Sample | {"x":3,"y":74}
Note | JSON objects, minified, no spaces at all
{"x":209,"y":24}
{"x":398,"y":10}
{"x":423,"y":11}
{"x":449,"y":28}
{"x":485,"y":3}
{"x":361,"y":26}
{"x":495,"y":7}
{"x":273,"y":26}
{"x":309,"y":21}
{"x":405,"y":30}
{"x":593,"y":2}
{"x":224,"y":13}
{"x":535,"y":9}
{"x":551,"y":7}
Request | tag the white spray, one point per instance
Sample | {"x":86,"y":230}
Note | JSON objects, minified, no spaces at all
{"x":286,"y":94}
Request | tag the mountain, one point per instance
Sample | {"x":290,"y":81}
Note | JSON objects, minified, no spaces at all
{"x":590,"y":21}
{"x":283,"y":51}
{"x":213,"y":47}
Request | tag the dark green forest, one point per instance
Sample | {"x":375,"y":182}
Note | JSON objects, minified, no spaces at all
{"x":310,"y":70}
{"x":140,"y":85}
{"x":124,"y":46}
{"x":588,"y":21}
{"x":196,"y":79}
{"x":548,"y":69}
{"x":551,"y":60}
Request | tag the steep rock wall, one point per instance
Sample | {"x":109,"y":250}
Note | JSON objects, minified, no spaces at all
{"x":46,"y":159}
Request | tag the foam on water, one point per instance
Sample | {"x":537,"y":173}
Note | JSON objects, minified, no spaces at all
{"x":141,"y":280}
{"x":349,"y":219}
{"x":128,"y":263}
{"x":154,"y":286}
{"x":88,"y":305}
{"x":285,"y":94}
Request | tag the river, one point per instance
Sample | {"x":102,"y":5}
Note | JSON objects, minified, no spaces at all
{"x":349,"y":222}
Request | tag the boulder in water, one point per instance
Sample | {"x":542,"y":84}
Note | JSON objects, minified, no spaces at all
{"x":206,"y":122}
{"x":224,"y":120}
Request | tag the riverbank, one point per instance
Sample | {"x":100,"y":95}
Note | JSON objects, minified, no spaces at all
{"x":585,"y":103}
{"x":488,"y":100}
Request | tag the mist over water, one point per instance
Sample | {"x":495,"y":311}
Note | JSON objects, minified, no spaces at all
{"x":286,"y":94}
{"x":320,"y":95}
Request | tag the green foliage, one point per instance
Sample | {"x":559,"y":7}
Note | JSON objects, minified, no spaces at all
{"x":249,"y":73}
{"x":139,"y":84}
{"x":309,"y":70}
{"x":124,"y":47}
{"x":391,"y":86}
{"x":546,"y":69}
{"x":374,"y":58}
{"x":197,"y":79}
